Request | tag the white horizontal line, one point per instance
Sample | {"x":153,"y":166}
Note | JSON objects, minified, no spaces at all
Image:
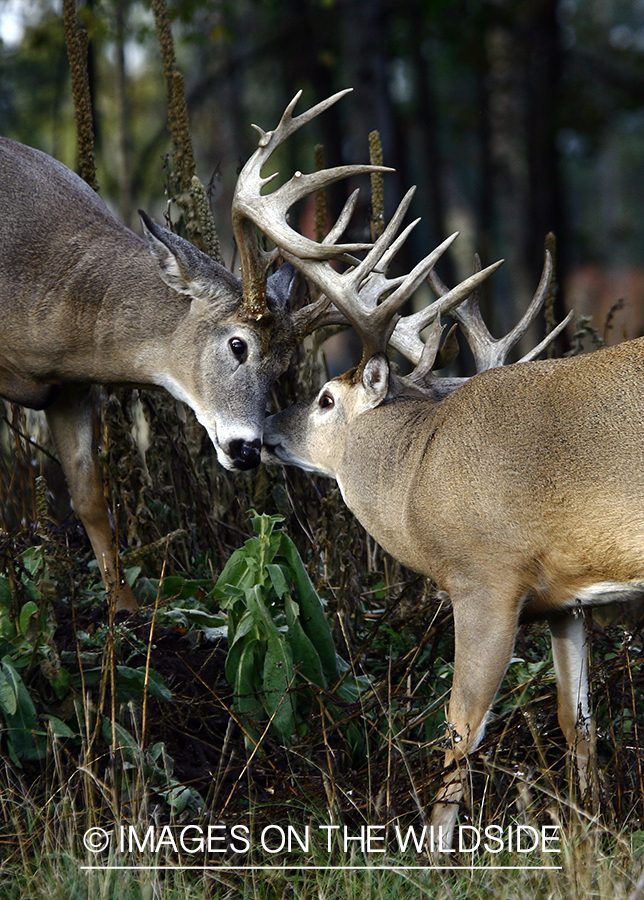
{"x":313,"y":868}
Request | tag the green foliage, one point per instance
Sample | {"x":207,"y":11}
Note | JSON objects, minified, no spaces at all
{"x":280,"y":643}
{"x":32,"y":675}
{"x":26,"y":639}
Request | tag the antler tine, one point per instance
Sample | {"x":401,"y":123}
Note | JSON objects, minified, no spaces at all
{"x":491,"y":352}
{"x":357,"y":291}
{"x":469,"y":317}
{"x":406,"y":335}
{"x":363,"y":277}
{"x":288,"y":125}
{"x":548,"y":339}
{"x":269,"y":212}
{"x":250,"y":209}
{"x":413,"y":280}
{"x":343,"y":219}
{"x":428,"y":353}
{"x":384,"y":249}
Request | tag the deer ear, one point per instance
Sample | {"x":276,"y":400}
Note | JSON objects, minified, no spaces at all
{"x":375,"y":380}
{"x":280,"y":286}
{"x":183,"y":267}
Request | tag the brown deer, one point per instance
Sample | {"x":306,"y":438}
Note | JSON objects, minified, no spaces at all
{"x":517,"y":490}
{"x":84,"y":300}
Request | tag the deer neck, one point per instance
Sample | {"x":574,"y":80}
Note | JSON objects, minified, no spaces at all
{"x":381,"y":492}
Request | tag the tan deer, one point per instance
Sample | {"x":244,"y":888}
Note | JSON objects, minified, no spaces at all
{"x":520,"y":489}
{"x":84,"y":300}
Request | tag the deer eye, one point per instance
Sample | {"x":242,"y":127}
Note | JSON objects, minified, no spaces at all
{"x":239,"y":349}
{"x":326,"y":400}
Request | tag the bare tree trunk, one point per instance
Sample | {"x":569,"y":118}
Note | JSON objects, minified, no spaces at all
{"x":124,"y":144}
{"x":435,"y":175}
{"x":546,"y":209}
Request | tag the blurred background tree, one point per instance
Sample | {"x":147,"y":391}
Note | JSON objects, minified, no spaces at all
{"x":514,"y":118}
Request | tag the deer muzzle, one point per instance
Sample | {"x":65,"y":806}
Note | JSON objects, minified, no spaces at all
{"x":245,"y":454}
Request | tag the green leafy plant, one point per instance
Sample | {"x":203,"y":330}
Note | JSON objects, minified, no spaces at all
{"x":280,"y":643}
{"x":26,"y":644}
{"x":34,"y":675}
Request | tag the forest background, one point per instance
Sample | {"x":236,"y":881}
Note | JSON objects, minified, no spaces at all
{"x":513,"y":118}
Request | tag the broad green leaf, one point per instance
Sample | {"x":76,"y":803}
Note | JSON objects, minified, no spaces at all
{"x":247,"y":703}
{"x":28,"y":610}
{"x":237,"y":567}
{"x":176,"y":587}
{"x":127,"y":677}
{"x":245,"y":680}
{"x":8,"y":699}
{"x":32,"y":559}
{"x":59,"y":728}
{"x":243,"y":637}
{"x":179,"y":797}
{"x":306,"y":659}
{"x":196,"y":617}
{"x":277,"y":681}
{"x":279,"y":579}
{"x":257,"y":606}
{"x":25,"y":742}
{"x":155,"y":752}
{"x":312,"y":615}
{"x":5,"y":592}
{"x":7,"y":623}
{"x":132,"y":573}
{"x":245,"y":625}
{"x":125,"y":742}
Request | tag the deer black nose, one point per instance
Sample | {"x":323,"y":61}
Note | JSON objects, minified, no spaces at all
{"x":245,"y":455}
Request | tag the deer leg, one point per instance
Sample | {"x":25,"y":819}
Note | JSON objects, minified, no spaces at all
{"x":484,"y":635}
{"x":570,"y":657}
{"x":70,"y":420}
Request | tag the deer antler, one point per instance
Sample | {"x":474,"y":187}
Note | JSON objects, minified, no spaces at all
{"x":357,"y":292}
{"x":269,"y":212}
{"x":356,"y":295}
{"x":491,"y":352}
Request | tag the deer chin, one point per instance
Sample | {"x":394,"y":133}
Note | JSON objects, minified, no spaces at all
{"x":224,"y":459}
{"x":278,"y":453}
{"x":274,"y":453}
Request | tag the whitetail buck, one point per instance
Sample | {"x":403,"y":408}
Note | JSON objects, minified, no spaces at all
{"x":520,"y":489}
{"x":85,"y":301}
